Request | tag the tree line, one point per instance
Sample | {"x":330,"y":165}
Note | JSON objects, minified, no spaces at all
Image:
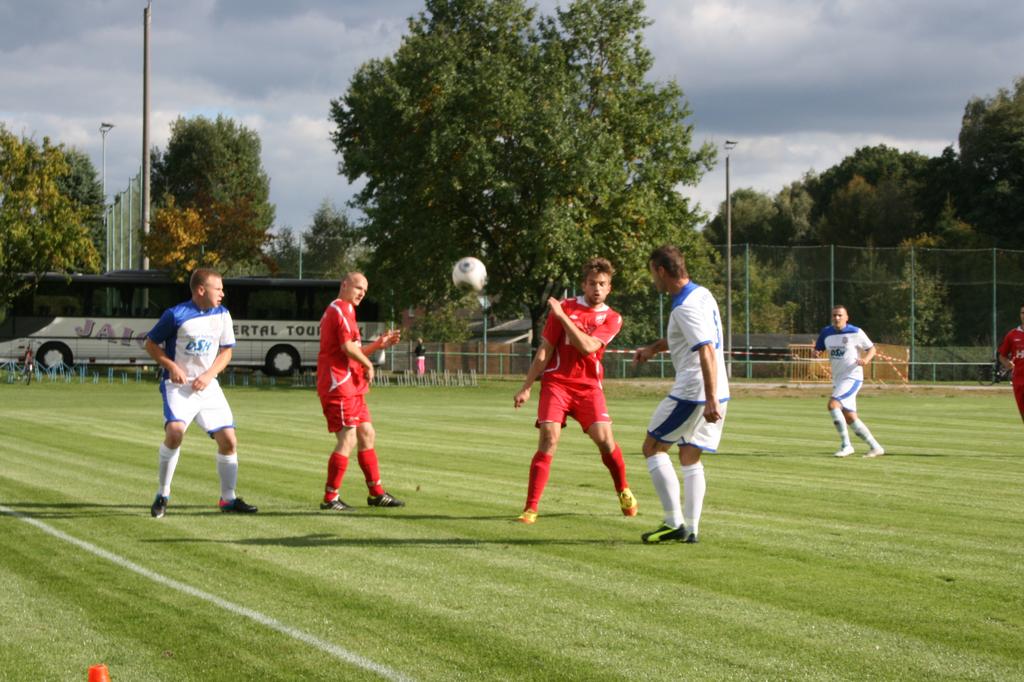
{"x":533,"y":142}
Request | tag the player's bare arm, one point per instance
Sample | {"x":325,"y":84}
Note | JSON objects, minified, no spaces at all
{"x":645,"y":353}
{"x":868,"y":356}
{"x":355,"y":351}
{"x":218,"y":366}
{"x":385,"y":340}
{"x":580,"y":340}
{"x":709,"y":372}
{"x":540,"y":361}
{"x":174,"y":373}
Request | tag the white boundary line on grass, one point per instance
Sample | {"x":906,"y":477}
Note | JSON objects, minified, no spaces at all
{"x":325,"y":646}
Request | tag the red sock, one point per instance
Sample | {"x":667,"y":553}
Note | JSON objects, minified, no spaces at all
{"x":616,"y":467}
{"x":336,"y":466}
{"x":368,"y":463}
{"x":540,"y":468}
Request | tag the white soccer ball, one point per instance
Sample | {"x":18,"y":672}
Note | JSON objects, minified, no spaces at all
{"x":470,"y":273}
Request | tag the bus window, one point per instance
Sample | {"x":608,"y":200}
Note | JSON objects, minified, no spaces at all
{"x":321,"y":299}
{"x":152,"y":301}
{"x":270,"y":304}
{"x":56,"y":299}
{"x":106,"y":301}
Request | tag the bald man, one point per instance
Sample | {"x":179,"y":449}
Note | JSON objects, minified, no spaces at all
{"x":344,"y":374}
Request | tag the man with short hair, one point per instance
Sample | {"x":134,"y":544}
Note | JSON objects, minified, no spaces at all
{"x":849,"y":350}
{"x":344,"y":374}
{"x":569,"y":364}
{"x":693,"y":413}
{"x":197,"y":338}
{"x":1011,"y":356}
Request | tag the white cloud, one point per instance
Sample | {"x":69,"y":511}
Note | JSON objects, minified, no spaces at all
{"x":800,"y":83}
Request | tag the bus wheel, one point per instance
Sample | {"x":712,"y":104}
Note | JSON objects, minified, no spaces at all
{"x":52,"y":353}
{"x":281,"y":361}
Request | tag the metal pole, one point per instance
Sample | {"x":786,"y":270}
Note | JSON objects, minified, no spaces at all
{"x":995,"y":280}
{"x":729,"y":146}
{"x":131,"y":221}
{"x":728,"y":271}
{"x":661,"y":331}
{"x":913,"y":296}
{"x":746,"y":299}
{"x":120,"y":238}
{"x":300,"y":258}
{"x":147,"y":16}
{"x":831,"y":277}
{"x":104,"y":129}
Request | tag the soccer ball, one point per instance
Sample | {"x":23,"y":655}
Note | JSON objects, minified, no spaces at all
{"x":470,"y":273}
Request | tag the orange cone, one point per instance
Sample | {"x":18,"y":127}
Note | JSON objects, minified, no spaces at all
{"x":99,"y":673}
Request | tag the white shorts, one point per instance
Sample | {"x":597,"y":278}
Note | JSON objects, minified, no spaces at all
{"x":209,"y":408}
{"x":846,"y":393}
{"x":682,"y":422}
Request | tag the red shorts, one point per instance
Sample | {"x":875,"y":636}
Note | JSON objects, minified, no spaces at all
{"x":586,"y":405}
{"x":1018,"y":393}
{"x":344,"y":410}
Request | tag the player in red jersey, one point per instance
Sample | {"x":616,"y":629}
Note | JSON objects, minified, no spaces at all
{"x":569,"y":365}
{"x":1011,"y":356}
{"x":343,"y":377}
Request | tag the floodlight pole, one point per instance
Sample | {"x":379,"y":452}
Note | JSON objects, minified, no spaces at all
{"x":147,"y":19}
{"x":104,"y":129}
{"x":729,"y":146}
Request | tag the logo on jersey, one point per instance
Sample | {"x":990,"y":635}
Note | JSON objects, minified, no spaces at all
{"x":198,"y":346}
{"x":600,"y":318}
{"x":837,"y":353}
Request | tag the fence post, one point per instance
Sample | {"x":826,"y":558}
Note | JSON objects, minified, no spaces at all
{"x":913,"y":294}
{"x":746,"y":297}
{"x":831,"y":276}
{"x":661,"y":326}
{"x":995,"y":280}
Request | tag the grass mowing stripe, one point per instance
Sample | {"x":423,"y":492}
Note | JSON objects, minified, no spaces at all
{"x":810,"y":567}
{"x":324,"y":646}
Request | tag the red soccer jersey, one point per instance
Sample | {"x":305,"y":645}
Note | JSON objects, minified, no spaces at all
{"x":1012,"y":347}
{"x":335,"y":370}
{"x":569,"y":366}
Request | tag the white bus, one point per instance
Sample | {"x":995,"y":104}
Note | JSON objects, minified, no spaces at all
{"x":103,"y":319}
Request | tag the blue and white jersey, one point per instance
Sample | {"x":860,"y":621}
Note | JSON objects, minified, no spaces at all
{"x":695,"y":322}
{"x":844,"y":347}
{"x":193,"y":337}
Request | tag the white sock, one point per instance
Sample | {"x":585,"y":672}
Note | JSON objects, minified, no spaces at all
{"x":862,"y":431}
{"x":694,"y":486}
{"x":168,"y":461}
{"x":227,"y":468}
{"x":840,"y":423}
{"x":663,"y":475}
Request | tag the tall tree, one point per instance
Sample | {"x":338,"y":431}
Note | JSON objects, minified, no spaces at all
{"x":41,"y":228}
{"x":870,"y":197}
{"x":754,"y":218}
{"x":333,"y":244}
{"x":213,"y":168}
{"x":281,"y":252}
{"x":992,"y":165}
{"x":531,"y":143}
{"x":83,"y":186}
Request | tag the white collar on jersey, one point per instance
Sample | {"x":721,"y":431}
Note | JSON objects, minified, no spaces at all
{"x":597,"y":309}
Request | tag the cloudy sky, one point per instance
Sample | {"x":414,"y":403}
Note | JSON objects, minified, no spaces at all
{"x":798,"y":83}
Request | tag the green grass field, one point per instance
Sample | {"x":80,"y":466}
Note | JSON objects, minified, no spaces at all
{"x":809,"y":567}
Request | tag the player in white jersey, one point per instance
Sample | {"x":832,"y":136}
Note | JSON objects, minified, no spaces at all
{"x":192,"y":342}
{"x":693,"y":414}
{"x":850,"y":350}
